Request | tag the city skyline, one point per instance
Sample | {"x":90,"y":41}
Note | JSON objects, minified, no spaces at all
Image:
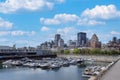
{"x":31,"y":22}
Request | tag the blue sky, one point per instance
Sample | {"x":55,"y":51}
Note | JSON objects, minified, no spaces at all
{"x":31,"y":22}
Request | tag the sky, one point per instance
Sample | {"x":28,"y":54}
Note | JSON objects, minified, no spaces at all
{"x":31,"y":22}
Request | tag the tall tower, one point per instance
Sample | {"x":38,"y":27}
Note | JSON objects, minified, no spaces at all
{"x":57,"y":37}
{"x":61,"y":43}
{"x":81,"y":39}
{"x":94,"y":42}
{"x":114,"y":39}
{"x":118,"y":41}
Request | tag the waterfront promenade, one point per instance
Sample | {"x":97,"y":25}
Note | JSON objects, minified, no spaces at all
{"x":113,"y":73}
{"x":95,"y":57}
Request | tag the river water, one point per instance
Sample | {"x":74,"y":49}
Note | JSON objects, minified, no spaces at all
{"x":64,"y":73}
{"x":72,"y":72}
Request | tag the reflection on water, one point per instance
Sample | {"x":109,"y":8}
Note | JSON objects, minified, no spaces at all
{"x":63,"y":73}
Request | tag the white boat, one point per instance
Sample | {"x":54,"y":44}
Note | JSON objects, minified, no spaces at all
{"x":90,"y":61}
{"x":65,"y":64}
{"x":87,"y":76}
{"x":29,"y":64}
{"x":7,"y":63}
{"x":73,"y":62}
{"x":44,"y":65}
{"x":17,"y":63}
{"x":54,"y":66}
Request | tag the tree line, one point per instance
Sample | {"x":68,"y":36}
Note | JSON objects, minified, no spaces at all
{"x":90,"y":52}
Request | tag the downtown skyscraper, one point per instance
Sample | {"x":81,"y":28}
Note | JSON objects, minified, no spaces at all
{"x":81,"y":39}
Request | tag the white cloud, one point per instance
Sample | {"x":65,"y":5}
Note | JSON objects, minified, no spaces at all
{"x":5,"y":24}
{"x":65,"y":30}
{"x":115,"y":33}
{"x":4,"y":33}
{"x":67,"y":33}
{"x":49,"y":21}
{"x":89,"y":22}
{"x":59,"y":19}
{"x":70,"y":18}
{"x":16,"y":33}
{"x":102,"y":12}
{"x":66,"y":17}
{"x":10,"y":6}
{"x":61,"y":1}
{"x":22,"y":33}
{"x":44,"y":28}
{"x":90,"y":17}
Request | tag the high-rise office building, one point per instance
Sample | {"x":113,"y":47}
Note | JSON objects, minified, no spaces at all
{"x":61,"y":43}
{"x":114,"y":39}
{"x":118,"y":41}
{"x":72,"y":44}
{"x":57,"y":38}
{"x":94,"y":42}
{"x":81,"y":39}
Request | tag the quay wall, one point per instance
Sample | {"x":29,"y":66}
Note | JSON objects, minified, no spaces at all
{"x":112,"y":59}
{"x":95,"y":57}
{"x":99,"y":76}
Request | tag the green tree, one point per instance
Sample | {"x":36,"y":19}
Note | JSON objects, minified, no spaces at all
{"x":61,"y":51}
{"x":95,"y":51}
{"x":114,"y":52}
{"x":76,"y":51}
{"x":87,"y":51}
{"x":66,"y":51}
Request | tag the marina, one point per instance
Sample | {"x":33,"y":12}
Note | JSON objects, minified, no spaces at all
{"x":45,"y":63}
{"x":59,"y":39}
{"x":77,"y":68}
{"x":93,"y":71}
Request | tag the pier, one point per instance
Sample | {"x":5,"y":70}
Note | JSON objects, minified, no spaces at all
{"x":3,"y":58}
{"x":22,"y":54}
{"x":113,"y":72}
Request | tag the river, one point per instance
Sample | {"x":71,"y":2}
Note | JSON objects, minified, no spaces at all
{"x":64,"y":73}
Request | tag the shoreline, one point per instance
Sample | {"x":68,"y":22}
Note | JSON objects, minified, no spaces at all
{"x":102,"y":73}
{"x":101,"y":58}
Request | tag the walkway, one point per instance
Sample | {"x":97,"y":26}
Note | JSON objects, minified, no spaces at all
{"x":113,"y":73}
